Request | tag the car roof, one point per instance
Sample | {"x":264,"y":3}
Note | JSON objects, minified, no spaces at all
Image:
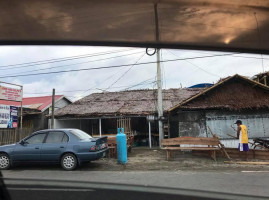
{"x":58,"y":129}
{"x":241,"y":26}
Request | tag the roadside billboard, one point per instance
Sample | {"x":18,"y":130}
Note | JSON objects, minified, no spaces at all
{"x":10,"y":94}
{"x":8,"y":116}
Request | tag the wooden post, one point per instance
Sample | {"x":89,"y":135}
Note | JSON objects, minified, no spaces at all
{"x":15,"y":137}
{"x":117,"y":124}
{"x":167,"y":154}
{"x":149,"y":135}
{"x":52,"y":109}
{"x":130,"y":126}
{"x":21,"y":109}
{"x":100,"y":127}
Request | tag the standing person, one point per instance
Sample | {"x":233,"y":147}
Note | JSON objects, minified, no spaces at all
{"x":242,"y":135}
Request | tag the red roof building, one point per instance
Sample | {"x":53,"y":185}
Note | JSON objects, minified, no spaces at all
{"x":36,"y":110}
{"x":40,"y":103}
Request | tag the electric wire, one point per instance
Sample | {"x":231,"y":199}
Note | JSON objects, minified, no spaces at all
{"x":35,"y":63}
{"x":113,"y":66}
{"x":210,"y":73}
{"x":75,"y":63}
{"x":126,"y":71}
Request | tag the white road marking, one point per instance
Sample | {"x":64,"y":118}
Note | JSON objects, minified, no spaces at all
{"x":255,"y":171}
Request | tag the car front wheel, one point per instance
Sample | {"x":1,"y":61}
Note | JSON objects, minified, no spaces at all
{"x":69,"y":161}
{"x":4,"y":161}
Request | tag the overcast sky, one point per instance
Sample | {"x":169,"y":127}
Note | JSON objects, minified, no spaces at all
{"x":78,"y":84}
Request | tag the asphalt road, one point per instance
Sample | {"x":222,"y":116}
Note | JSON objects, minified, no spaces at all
{"x":255,"y":183}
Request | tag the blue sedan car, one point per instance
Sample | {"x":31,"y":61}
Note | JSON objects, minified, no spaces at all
{"x":69,"y":147}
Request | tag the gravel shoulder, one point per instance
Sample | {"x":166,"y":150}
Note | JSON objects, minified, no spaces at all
{"x":147,"y":160}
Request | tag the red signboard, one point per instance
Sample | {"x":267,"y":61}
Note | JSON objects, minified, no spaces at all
{"x":10,"y":94}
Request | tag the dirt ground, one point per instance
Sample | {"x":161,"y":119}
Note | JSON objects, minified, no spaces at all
{"x":142,"y":159}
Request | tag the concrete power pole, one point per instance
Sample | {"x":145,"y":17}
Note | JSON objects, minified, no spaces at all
{"x":159,"y":78}
{"x":160,"y":97}
{"x":21,"y":111}
{"x":52,"y":109}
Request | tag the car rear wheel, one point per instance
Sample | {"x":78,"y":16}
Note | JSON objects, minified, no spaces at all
{"x":4,"y":161}
{"x":69,"y":161}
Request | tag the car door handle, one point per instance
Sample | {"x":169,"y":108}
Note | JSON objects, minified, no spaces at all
{"x":37,"y":148}
{"x":61,"y":147}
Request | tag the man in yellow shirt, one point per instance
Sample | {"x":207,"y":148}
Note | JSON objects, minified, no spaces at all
{"x":242,"y":135}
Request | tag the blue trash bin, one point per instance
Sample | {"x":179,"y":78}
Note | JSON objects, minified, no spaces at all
{"x":121,"y":146}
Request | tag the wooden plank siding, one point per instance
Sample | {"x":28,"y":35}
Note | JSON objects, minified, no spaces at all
{"x":12,"y":135}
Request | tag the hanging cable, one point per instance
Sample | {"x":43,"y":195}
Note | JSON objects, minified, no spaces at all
{"x":196,"y":65}
{"x":114,"y":66}
{"x":35,"y":63}
{"x":80,"y":63}
{"x":126,"y":71}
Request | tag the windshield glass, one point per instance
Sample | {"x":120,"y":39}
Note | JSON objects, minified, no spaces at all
{"x":81,"y":135}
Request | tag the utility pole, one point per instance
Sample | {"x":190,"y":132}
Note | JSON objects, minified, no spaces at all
{"x":159,"y":78}
{"x":160,"y":97}
{"x":52,"y":109}
{"x":21,"y":111}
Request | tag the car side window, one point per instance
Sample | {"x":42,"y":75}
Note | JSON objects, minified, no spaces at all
{"x":36,"y":139}
{"x":56,"y":137}
{"x":65,"y":138}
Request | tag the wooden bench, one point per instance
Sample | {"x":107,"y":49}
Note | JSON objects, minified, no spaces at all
{"x":204,"y":144}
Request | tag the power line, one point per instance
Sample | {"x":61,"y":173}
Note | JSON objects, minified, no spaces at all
{"x":56,"y":91}
{"x":239,"y":56}
{"x":126,"y":71}
{"x":75,"y":63}
{"x":196,"y":66}
{"x":49,"y":92}
{"x":113,"y":66}
{"x":30,"y":64}
{"x":101,"y":83}
{"x":126,"y":87}
{"x":141,"y":83}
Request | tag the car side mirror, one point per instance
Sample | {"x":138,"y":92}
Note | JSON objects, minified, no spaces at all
{"x":22,"y":142}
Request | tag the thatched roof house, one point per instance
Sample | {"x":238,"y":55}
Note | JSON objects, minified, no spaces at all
{"x":103,"y":113}
{"x":188,"y":112}
{"x":232,"y":93}
{"x":124,"y":103}
{"x":219,"y":106}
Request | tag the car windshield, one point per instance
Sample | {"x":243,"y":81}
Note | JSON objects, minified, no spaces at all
{"x":154,"y":98}
{"x":81,"y":135}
